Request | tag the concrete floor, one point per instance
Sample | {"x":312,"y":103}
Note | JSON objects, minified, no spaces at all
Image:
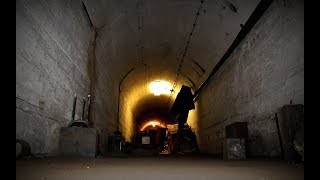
{"x":152,"y":168}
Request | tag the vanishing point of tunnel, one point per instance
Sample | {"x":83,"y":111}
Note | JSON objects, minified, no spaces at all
{"x":104,"y":86}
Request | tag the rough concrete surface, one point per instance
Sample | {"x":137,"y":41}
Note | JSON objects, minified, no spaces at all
{"x":59,"y":54}
{"x":78,"y":141}
{"x":138,"y":168}
{"x":52,"y":38}
{"x":265,"y":72}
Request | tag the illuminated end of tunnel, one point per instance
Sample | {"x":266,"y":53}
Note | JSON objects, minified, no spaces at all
{"x":159,"y":87}
{"x":153,"y":123}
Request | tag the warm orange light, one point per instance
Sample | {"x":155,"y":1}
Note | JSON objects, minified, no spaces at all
{"x":153,"y":124}
{"x":160,"y":87}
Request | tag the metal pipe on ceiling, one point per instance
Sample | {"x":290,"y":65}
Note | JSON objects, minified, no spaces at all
{"x":253,"y":19}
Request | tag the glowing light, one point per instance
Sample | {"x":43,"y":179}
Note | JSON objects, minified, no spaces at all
{"x":160,"y":87}
{"x":153,"y":124}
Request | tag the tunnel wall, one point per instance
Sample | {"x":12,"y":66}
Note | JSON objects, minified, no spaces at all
{"x":111,"y":67}
{"x":105,"y":91}
{"x":127,"y":121}
{"x":265,"y":72}
{"x":52,"y":40}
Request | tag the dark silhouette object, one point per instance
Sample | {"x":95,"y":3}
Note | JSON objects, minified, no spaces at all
{"x":180,"y":108}
{"x":183,"y":102}
{"x":22,"y":149}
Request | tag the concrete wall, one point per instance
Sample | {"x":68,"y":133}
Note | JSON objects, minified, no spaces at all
{"x":105,"y":68}
{"x":59,"y":54}
{"x":52,"y":40}
{"x":265,"y":72}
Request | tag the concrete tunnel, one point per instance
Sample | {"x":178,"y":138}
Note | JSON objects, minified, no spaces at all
{"x":98,"y":47}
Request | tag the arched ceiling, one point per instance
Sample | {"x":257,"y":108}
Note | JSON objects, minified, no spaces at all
{"x":151,"y":36}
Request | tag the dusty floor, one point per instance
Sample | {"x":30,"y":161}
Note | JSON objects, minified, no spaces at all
{"x":152,"y":168}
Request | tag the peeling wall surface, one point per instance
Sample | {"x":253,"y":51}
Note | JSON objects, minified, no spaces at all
{"x":52,"y":38}
{"x":265,"y":72}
